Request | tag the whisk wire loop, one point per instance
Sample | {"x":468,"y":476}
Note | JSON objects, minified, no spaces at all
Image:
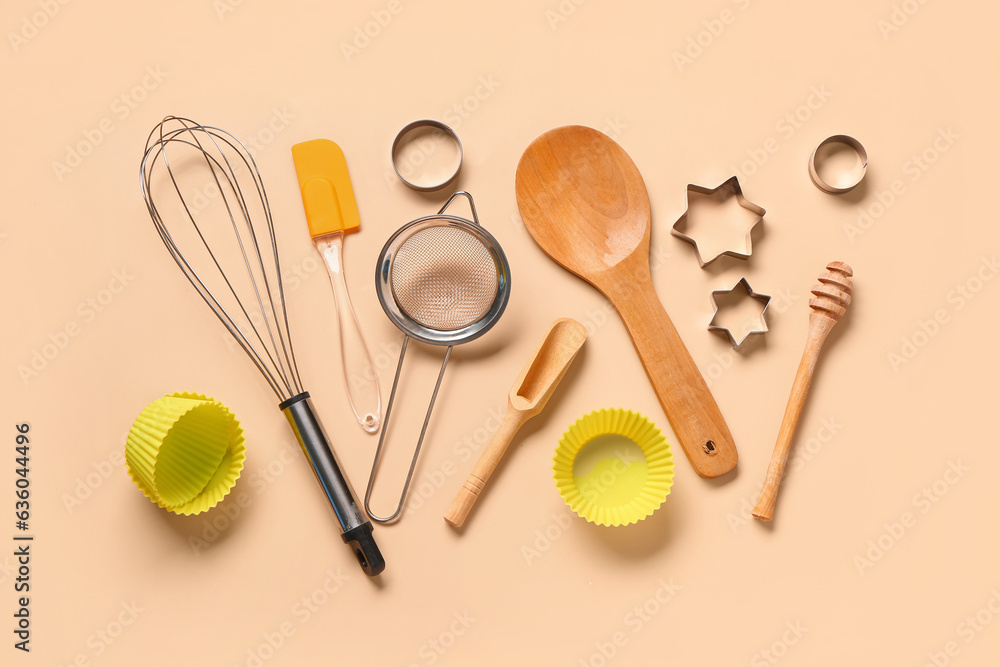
{"x":269,"y":343}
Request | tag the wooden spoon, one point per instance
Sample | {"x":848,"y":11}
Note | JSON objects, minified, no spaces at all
{"x":584,"y":202}
{"x":530,"y":393}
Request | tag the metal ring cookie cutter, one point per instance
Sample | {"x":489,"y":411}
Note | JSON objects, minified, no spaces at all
{"x":850,"y":182}
{"x":415,"y":125}
{"x":730,"y":188}
{"x":760,"y":298}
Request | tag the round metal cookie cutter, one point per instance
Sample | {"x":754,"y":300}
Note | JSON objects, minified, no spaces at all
{"x":438,"y":125}
{"x":839,"y":188}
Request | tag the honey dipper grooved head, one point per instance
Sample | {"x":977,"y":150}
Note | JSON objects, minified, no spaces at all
{"x":833,"y":293}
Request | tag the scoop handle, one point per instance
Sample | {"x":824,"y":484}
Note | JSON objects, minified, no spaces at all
{"x":692,"y":411}
{"x":534,"y":386}
{"x":467,"y":496}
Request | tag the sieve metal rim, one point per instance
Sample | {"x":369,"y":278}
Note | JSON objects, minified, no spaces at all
{"x":412,"y":328}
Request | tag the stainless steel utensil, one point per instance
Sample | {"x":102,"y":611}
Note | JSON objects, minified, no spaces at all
{"x":442,"y":280}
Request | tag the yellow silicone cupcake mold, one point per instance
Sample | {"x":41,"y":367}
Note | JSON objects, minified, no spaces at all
{"x":613,"y":467}
{"x":185,"y":452}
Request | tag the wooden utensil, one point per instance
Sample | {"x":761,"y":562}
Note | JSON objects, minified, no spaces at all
{"x":530,"y":393}
{"x":832,"y":296}
{"x":584,"y":202}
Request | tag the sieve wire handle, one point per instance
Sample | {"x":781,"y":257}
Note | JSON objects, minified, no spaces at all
{"x":385,"y":428}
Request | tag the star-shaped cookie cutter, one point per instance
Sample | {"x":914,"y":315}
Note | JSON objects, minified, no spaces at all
{"x":760,"y":298}
{"x":730,"y":188}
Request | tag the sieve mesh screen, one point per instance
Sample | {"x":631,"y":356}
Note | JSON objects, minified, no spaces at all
{"x":444,"y":278}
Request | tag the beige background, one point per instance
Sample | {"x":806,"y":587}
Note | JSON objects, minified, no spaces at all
{"x":892,"y":429}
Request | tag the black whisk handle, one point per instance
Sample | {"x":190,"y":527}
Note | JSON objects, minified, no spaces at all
{"x":354,"y":524}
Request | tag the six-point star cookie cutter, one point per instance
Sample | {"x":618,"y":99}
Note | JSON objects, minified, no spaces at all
{"x":760,"y":298}
{"x":729,"y":188}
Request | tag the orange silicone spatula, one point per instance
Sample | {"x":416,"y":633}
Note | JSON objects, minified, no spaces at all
{"x":331,"y":212}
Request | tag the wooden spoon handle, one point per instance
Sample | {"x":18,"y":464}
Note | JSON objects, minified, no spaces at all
{"x":693,"y":413}
{"x":487,"y":463}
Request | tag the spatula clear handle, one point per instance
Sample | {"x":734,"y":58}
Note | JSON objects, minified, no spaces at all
{"x":359,"y":371}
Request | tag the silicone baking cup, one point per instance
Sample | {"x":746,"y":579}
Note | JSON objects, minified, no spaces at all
{"x":619,"y":489}
{"x":185,"y":452}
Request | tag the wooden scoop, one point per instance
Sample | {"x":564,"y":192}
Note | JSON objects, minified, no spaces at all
{"x":584,"y":202}
{"x":531,"y":391}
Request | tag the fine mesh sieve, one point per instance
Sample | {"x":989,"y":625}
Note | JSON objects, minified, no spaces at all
{"x":442,"y":280}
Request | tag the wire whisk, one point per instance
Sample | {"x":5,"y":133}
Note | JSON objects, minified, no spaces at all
{"x":225,"y":156}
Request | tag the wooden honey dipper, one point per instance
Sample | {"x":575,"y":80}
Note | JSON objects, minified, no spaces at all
{"x":831,"y":297}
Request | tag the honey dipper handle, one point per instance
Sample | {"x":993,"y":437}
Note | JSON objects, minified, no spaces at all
{"x":764,"y":509}
{"x":693,"y":413}
{"x":467,"y":496}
